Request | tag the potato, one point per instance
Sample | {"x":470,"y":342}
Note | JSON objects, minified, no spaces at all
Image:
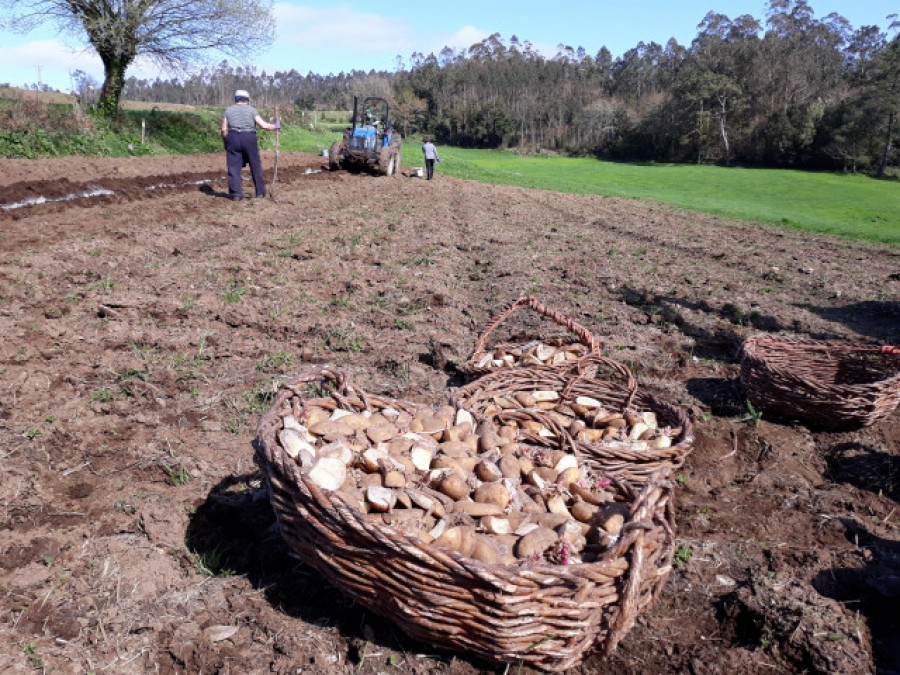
{"x":612,"y":517}
{"x":476,"y":509}
{"x":381,"y":432}
{"x":445,"y":462}
{"x":508,"y":433}
{"x":549,"y":475}
{"x":456,"y":433}
{"x":423,"y":501}
{"x":489,"y":440}
{"x":488,"y":471}
{"x":403,"y":500}
{"x":295,"y":445}
{"x":535,"y":543}
{"x":524,"y":399}
{"x":356,"y":421}
{"x":394,"y":479}
{"x":509,"y":466}
{"x":492,"y":493}
{"x":313,"y":415}
{"x":454,"y":486}
{"x":371,"y":480}
{"x":588,"y":402}
{"x":637,"y":430}
{"x":569,"y":476}
{"x":328,"y":473}
{"x":380,"y":499}
{"x":590,"y":435}
{"x":330,"y":430}
{"x":614,"y":420}
{"x":485,"y":550}
{"x":556,"y":504}
{"x":496,"y":525}
{"x":460,"y":538}
{"x":338,"y":449}
{"x":509,"y":448}
{"x":584,"y":512}
{"x":370,"y":459}
{"x":464,"y":418}
{"x":660,"y":442}
{"x":421,"y":456}
{"x":632,"y":417}
{"x":545,"y":396}
{"x":551,"y":519}
{"x":455,"y":449}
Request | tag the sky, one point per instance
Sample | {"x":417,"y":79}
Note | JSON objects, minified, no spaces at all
{"x":329,"y":37}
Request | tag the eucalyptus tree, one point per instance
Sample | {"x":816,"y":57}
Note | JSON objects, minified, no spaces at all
{"x":169,"y":32}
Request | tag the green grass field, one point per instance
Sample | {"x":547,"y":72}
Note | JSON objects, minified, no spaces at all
{"x":852,"y":206}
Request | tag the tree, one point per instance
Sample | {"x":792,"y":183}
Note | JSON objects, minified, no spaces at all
{"x":170,"y":32}
{"x":886,"y":86}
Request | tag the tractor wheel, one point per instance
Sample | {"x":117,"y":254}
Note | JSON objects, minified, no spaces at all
{"x":334,"y":155}
{"x":387,"y":160}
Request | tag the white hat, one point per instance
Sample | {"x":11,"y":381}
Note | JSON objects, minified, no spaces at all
{"x":241,"y":93}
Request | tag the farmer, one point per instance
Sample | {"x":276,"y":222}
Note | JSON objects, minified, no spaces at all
{"x":239,"y":124}
{"x":431,"y":154}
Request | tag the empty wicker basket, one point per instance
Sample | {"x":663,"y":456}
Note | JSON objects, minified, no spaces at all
{"x":826,"y":384}
{"x":549,"y":616}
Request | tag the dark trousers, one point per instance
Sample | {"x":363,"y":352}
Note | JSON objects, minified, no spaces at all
{"x":429,"y":168}
{"x":242,"y":148}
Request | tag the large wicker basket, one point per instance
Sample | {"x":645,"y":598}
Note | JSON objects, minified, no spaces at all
{"x":578,"y":337}
{"x":826,"y":384}
{"x":607,"y":381}
{"x":545,"y":615}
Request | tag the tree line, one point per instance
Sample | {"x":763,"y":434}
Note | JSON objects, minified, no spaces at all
{"x":791,"y":90}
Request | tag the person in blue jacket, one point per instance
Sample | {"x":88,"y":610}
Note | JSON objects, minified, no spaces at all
{"x":239,"y":124}
{"x":431,"y":156}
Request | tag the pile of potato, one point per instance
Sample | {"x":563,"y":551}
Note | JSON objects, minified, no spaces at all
{"x":481,"y":489}
{"x":534,"y":353}
{"x":588,"y":420}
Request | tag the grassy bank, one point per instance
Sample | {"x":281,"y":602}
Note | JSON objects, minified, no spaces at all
{"x":852,"y":206}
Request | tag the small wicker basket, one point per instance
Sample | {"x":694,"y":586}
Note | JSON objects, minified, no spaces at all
{"x":545,"y":615}
{"x":826,"y":384}
{"x":605,"y":380}
{"x":482,"y":362}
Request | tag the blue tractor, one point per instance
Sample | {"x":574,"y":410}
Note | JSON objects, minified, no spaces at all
{"x":370,"y":143}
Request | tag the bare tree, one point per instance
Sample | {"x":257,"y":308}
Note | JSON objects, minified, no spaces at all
{"x":171,"y":32}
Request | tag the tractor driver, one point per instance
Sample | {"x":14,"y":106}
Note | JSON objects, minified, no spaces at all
{"x":371,"y":120}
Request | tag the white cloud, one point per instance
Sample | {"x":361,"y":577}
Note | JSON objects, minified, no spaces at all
{"x":463,"y":38}
{"x":52,"y":63}
{"x":48,"y":60}
{"x":340,"y":30}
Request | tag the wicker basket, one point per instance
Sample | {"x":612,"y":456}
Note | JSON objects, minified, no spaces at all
{"x":480,"y":361}
{"x":830,"y":385}
{"x":544,"y":615}
{"x":600,"y":378}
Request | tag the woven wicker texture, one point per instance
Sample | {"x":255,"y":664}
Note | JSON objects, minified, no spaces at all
{"x":610,"y":383}
{"x":544,"y":615}
{"x":479,"y":361}
{"x":826,"y":384}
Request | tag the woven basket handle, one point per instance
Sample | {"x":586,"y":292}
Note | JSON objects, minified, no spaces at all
{"x":588,"y":367}
{"x":561,"y":319}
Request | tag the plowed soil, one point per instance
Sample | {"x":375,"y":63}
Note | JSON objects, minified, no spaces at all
{"x":146,"y":325}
